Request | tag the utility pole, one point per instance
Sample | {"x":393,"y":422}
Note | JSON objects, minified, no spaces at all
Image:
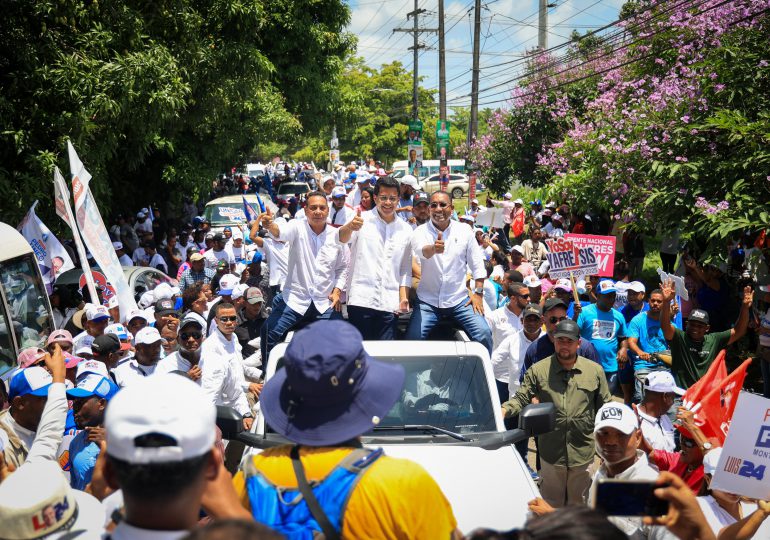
{"x":542,"y":25}
{"x":415,"y":31}
{"x":441,"y":63}
{"x":474,"y":121}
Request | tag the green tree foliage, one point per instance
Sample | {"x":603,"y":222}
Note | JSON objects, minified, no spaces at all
{"x":158,"y":96}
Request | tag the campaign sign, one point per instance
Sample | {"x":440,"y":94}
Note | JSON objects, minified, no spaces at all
{"x":100,"y":280}
{"x":604,"y":250}
{"x":742,"y":468}
{"x":565,"y":257}
{"x":490,"y":217}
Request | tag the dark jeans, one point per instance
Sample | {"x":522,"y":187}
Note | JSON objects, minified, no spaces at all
{"x":425,"y":317}
{"x":372,"y":323}
{"x":283,"y":319}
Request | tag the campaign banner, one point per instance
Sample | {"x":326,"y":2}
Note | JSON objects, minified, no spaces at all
{"x":415,"y":158}
{"x":566,"y":258}
{"x":490,"y":217}
{"x":52,"y":258}
{"x":742,"y":467}
{"x":95,"y":234}
{"x":604,"y":250}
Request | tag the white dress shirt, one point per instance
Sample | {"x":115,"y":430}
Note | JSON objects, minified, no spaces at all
{"x":503,"y":322}
{"x":277,"y":255}
{"x":658,"y":432}
{"x":442,"y":284}
{"x":174,"y":362}
{"x":125,"y":260}
{"x":337,"y":218}
{"x":130,"y":370}
{"x":222,"y":376}
{"x":381,"y":262}
{"x":317,"y":264}
{"x":508,"y":358}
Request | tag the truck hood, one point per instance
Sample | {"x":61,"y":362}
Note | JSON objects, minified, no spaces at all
{"x":486,"y":488}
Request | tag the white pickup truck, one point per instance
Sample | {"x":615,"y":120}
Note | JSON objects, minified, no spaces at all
{"x":458,"y":435}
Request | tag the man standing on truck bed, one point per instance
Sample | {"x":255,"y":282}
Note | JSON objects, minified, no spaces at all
{"x":578,"y":388}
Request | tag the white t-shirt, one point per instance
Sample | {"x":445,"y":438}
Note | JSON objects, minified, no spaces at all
{"x":718,"y":518}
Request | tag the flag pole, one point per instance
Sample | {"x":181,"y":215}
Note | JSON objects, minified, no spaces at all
{"x":61,"y":187}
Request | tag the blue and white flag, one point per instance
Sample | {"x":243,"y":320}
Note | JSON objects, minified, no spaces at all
{"x":248,"y":210}
{"x":51,"y":256}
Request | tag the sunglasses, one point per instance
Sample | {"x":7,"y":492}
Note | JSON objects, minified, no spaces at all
{"x":439,"y":205}
{"x":556,"y":320}
{"x":232,"y":318}
{"x":523,"y":295}
{"x":195,"y":335}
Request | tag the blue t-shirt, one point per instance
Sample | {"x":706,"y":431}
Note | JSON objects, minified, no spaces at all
{"x":650,"y":339}
{"x":83,"y":456}
{"x":603,"y":329}
{"x":629,"y":313}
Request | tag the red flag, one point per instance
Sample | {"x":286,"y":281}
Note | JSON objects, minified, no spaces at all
{"x":714,"y":410}
{"x":713,"y":378}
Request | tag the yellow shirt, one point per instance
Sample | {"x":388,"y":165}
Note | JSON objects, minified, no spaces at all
{"x":395,"y":498}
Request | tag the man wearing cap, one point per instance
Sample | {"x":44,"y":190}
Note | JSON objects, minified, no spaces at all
{"x":473,"y":209}
{"x":381,"y":262}
{"x":154,"y":259}
{"x":555,"y":228}
{"x":693,"y":350}
{"x":446,"y":249}
{"x":534,"y":249}
{"x":409,"y":186}
{"x":420,"y":209}
{"x":124,"y":259}
{"x":148,"y":344}
{"x":198,"y":272}
{"x":97,"y":319}
{"x":161,"y":454}
{"x":63,"y":338}
{"x":340,"y":213}
{"x":605,"y":328}
{"x":89,"y":401}
{"x":660,"y":391}
{"x":142,"y":225}
{"x":166,"y":314}
{"x":316,"y":274}
{"x":187,"y":356}
{"x":106,"y":349}
{"x":235,"y":246}
{"x":554,"y":311}
{"x":518,"y":263}
{"x":136,"y":320}
{"x":535,"y":287}
{"x":251,"y":318}
{"x":37,"y":412}
{"x":578,"y":389}
{"x":382,"y":498}
{"x":218,"y":253}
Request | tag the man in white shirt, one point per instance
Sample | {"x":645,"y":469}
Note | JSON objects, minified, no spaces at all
{"x":277,"y":254}
{"x":124,"y":259}
{"x":142,"y":223}
{"x":363,"y":180}
{"x":446,"y":249}
{"x":316,"y":275}
{"x":147,"y":343}
{"x":219,"y":253}
{"x":187,"y":356}
{"x":381,"y":265}
{"x":340,"y":212}
{"x":660,"y":391}
{"x":221,"y":364}
{"x":506,"y":320}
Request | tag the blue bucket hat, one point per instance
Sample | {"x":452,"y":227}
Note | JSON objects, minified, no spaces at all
{"x":329,"y":390}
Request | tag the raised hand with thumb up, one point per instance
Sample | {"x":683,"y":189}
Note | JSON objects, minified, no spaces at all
{"x":357,"y":222}
{"x":438,"y":245}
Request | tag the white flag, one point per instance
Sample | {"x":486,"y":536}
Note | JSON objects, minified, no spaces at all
{"x":62,"y":196}
{"x":95,"y":234}
{"x":51,"y":256}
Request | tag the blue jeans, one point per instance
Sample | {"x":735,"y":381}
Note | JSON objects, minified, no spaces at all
{"x":425,"y":317}
{"x":372,"y":323}
{"x":283,"y":319}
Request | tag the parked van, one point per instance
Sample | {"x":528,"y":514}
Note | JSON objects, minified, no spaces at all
{"x":24,"y":304}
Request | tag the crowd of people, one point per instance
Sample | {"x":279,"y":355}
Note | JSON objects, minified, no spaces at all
{"x":110,"y":428}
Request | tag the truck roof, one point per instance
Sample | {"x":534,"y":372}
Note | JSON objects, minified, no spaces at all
{"x":14,"y":244}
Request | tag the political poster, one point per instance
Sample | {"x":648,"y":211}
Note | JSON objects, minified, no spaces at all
{"x":442,"y":140}
{"x":604,"y":250}
{"x":742,"y":467}
{"x":414,"y":135}
{"x":52,"y":258}
{"x":334,"y":156}
{"x":566,"y":258}
{"x":108,"y":291}
{"x":415,"y":159}
{"x":94,"y":233}
{"x":490,"y":217}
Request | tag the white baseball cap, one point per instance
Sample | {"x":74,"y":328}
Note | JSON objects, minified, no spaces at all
{"x":616,"y":415}
{"x":563,"y":284}
{"x":467,"y":217}
{"x":94,"y":312}
{"x":518,"y":201}
{"x":227,"y":283}
{"x":339,"y":191}
{"x":37,"y":502}
{"x":118,"y":330}
{"x":117,"y":245}
{"x":663,"y":382}
{"x":507,"y":195}
{"x":33,"y":381}
{"x":518,"y":249}
{"x":606,"y":287}
{"x":532,"y":281}
{"x":238,"y":291}
{"x":113,"y":303}
{"x":636,"y":286}
{"x":410,"y":180}
{"x":162,"y":291}
{"x":557,"y":217}
{"x":137,"y":313}
{"x":91,"y":366}
{"x":711,"y":459}
{"x":580,"y":285}
{"x":147,"y":336}
{"x":171,"y":408}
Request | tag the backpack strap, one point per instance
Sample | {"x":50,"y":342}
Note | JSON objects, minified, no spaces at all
{"x":330,"y":533}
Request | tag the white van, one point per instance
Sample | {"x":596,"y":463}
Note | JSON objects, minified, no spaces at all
{"x":430,"y":167}
{"x":24,"y":304}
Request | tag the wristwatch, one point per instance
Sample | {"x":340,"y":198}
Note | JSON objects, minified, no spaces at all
{"x":706,"y":446}
{"x":248,"y":415}
{"x":479,"y":290}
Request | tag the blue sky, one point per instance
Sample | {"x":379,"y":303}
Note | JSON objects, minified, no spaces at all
{"x":508,"y":30}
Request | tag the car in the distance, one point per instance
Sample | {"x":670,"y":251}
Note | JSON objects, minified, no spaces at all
{"x":288,"y":190}
{"x":460,"y":440}
{"x":459,"y":185}
{"x":140,"y":279}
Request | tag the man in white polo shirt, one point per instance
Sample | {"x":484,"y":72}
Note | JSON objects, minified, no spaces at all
{"x":446,"y":249}
{"x":381,"y":264}
{"x":316,"y":274}
{"x":340,"y":212}
{"x":660,"y":391}
{"x":148,"y":343}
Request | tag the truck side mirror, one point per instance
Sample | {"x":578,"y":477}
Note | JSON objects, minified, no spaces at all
{"x":537,"y":419}
{"x":229,"y":422}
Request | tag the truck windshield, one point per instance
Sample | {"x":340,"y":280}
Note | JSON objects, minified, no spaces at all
{"x":447,"y":392}
{"x":28,"y":312}
{"x":224,"y":213}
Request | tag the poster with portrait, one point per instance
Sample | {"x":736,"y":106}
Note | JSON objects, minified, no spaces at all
{"x":414,"y":158}
{"x":414,"y":133}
